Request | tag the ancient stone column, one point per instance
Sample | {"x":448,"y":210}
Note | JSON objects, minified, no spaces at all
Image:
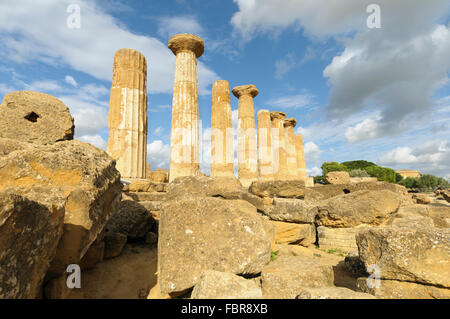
{"x":184,"y":141}
{"x":247,"y":157}
{"x":265,"y":155}
{"x":279,"y":146}
{"x":301,"y":167}
{"x":222,"y":151}
{"x":291,"y":153}
{"x":127,"y":119}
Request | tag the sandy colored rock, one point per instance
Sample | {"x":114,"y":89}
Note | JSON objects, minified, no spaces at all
{"x":393,"y":289}
{"x":291,"y":150}
{"x":412,"y":216}
{"x":338,"y":178}
{"x":446,"y":195}
{"x":361,"y":207}
{"x":222,"y":285}
{"x":284,"y":189}
{"x":93,"y":256}
{"x":201,"y":234}
{"x":332,"y":293}
{"x":35,"y":117}
{"x":159,"y":176}
{"x":114,"y":244}
{"x":338,"y":238}
{"x":291,"y":210}
{"x":421,"y":199}
{"x":265,"y":153}
{"x":131,"y":219}
{"x":31,"y":224}
{"x":8,"y":145}
{"x":291,"y":233}
{"x":420,"y":255}
{"x":279,"y":146}
{"x":222,"y":144}
{"x":184,"y":140}
{"x":145,"y":186}
{"x":127,"y":119}
{"x":300,"y":154}
{"x":247,"y":145}
{"x":88,"y":178}
{"x":287,"y":276}
{"x":362,"y":179}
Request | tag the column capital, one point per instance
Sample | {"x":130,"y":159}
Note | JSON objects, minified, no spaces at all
{"x":277,"y":115}
{"x":242,"y":90}
{"x":291,"y":122}
{"x":187,"y":42}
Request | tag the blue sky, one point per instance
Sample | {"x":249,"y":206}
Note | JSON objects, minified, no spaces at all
{"x":381,"y":95}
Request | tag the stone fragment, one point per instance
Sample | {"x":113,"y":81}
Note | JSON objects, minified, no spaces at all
{"x":145,"y":186}
{"x":201,"y":234}
{"x":421,"y":199}
{"x":338,"y":238}
{"x":338,"y":177}
{"x":114,"y":244}
{"x":127,"y":119}
{"x":287,"y":276}
{"x":93,"y":256}
{"x":221,"y":285}
{"x":332,"y":293}
{"x":291,"y":233}
{"x":159,"y":176}
{"x":291,"y":210}
{"x":8,"y":145}
{"x":284,"y":189}
{"x":34,"y":117}
{"x":184,"y":140}
{"x":31,"y":224}
{"x":420,"y":255}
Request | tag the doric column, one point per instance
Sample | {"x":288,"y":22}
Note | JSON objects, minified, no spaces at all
{"x":265,"y":155}
{"x":247,"y":157}
{"x":222,"y":151}
{"x":301,"y":167}
{"x":184,"y":141}
{"x":289,"y":125}
{"x":127,"y":119}
{"x":279,"y":146}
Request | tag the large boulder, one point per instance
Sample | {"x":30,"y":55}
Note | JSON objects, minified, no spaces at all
{"x":131,"y":219}
{"x":222,"y":285}
{"x":446,"y":195}
{"x":338,"y":238}
{"x":287,"y":276}
{"x":31,"y":224}
{"x":338,"y":177}
{"x":291,"y":210}
{"x":420,"y":255}
{"x":284,"y":189}
{"x":88,"y":179}
{"x":292,"y":233}
{"x":205,"y":233}
{"x":361,"y":207}
{"x":35,"y":117}
{"x":203,"y":186}
{"x":8,"y":145}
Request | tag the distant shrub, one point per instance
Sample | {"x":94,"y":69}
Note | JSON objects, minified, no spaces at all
{"x":354,"y":165}
{"x":320,"y":180}
{"x":333,"y":167}
{"x":383,"y":174}
{"x":358,"y":173}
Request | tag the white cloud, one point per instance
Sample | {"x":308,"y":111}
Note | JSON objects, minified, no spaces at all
{"x":283,"y":66}
{"x":315,"y":171}
{"x":70,"y":80}
{"x":158,"y":154}
{"x":90,"y":49}
{"x":95,"y":140}
{"x":312,"y":152}
{"x":170,"y":25}
{"x":158,"y":131}
{"x":367,"y":129}
{"x":44,"y":86}
{"x":294,"y":101}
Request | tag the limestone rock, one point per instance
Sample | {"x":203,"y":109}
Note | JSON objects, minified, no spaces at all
{"x":222,"y":285}
{"x":413,"y":216}
{"x":93,"y":256}
{"x":338,"y":238}
{"x":446,"y":195}
{"x":286,"y":189}
{"x":332,"y":293}
{"x":145,"y":186}
{"x":291,"y":233}
{"x":88,"y":178}
{"x":361,"y":207}
{"x":151,"y":238}
{"x":131,"y":219}
{"x":393,"y":289}
{"x":114,"y":244}
{"x":35,"y":117}
{"x":291,"y":210}
{"x":287,"y":276}
{"x":159,"y":176}
{"x":419,"y":255}
{"x":363,"y":179}
{"x":8,"y":145}
{"x":31,"y":223}
{"x":201,"y":234}
{"x":338,"y":178}
{"x":421,"y":199}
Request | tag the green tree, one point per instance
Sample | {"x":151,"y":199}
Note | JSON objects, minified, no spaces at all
{"x":360,"y":164}
{"x":398,"y":177}
{"x":381,"y":173}
{"x":320,"y":180}
{"x":333,"y":167}
{"x":409,"y":182}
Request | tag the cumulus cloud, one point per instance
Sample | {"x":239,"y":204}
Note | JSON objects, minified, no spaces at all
{"x":70,"y":80}
{"x":158,"y":154}
{"x":315,"y":171}
{"x":95,"y":140}
{"x":367,"y":129}
{"x":312,"y":151}
{"x":40,"y":34}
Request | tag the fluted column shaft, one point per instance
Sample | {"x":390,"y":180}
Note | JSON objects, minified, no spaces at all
{"x":127,"y":119}
{"x":265,"y":156}
{"x":301,"y":167}
{"x":222,"y":151}
{"x":279,"y":146}
{"x":291,"y":153}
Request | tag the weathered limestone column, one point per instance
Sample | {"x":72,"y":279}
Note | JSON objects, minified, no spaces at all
{"x":301,"y":167}
{"x":127,"y":119}
{"x":289,"y":125}
{"x":222,"y":150}
{"x":279,"y":146}
{"x":184,"y":141}
{"x":247,"y":157}
{"x":265,"y":155}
